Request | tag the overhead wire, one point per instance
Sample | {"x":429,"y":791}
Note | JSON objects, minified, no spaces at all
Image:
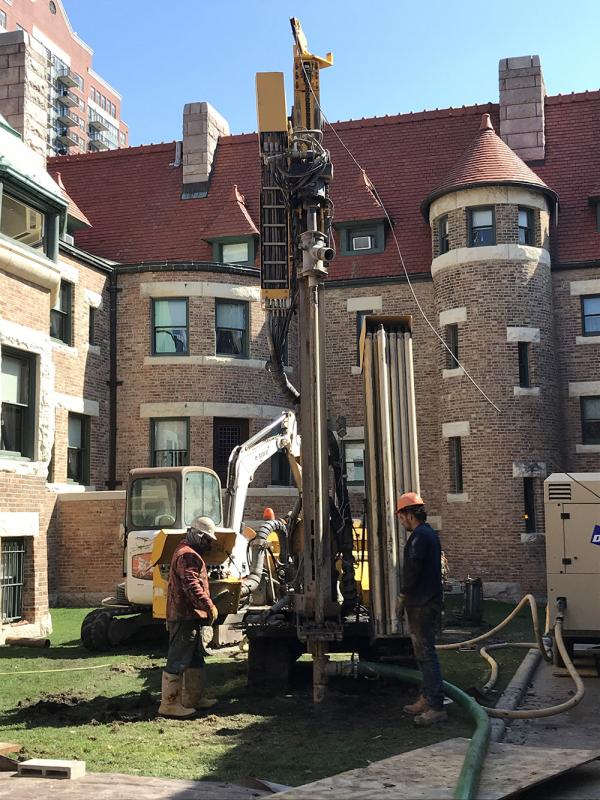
{"x":370,"y":186}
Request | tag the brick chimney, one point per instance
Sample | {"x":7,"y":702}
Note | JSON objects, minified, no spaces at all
{"x":202,"y":126}
{"x":522,"y":94}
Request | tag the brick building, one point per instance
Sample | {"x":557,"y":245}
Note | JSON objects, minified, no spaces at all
{"x":500,"y":241}
{"x":48,"y":89}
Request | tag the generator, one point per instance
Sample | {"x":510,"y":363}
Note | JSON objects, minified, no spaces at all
{"x":572,"y":511}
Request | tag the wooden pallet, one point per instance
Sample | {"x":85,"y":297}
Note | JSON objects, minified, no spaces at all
{"x":431,"y":773}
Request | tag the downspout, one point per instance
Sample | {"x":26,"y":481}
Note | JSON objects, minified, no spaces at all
{"x":113,"y":383}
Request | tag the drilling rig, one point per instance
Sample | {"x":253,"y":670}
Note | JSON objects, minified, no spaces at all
{"x":320,"y":609}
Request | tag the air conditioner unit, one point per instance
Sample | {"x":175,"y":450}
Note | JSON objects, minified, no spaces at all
{"x":68,"y":239}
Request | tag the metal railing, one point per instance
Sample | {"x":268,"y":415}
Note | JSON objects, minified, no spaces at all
{"x":170,"y":458}
{"x":12,"y":558}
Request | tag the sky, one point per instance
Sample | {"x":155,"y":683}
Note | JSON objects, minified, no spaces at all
{"x":390,"y":56}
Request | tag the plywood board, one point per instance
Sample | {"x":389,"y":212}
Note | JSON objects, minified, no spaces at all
{"x":431,"y":773}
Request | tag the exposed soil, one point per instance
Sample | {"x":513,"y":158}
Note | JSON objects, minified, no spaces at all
{"x":72,"y":709}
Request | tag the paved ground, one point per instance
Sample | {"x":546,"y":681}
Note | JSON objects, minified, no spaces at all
{"x":578,"y":728}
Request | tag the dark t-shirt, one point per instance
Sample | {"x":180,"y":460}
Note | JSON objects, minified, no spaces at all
{"x":422,"y":579}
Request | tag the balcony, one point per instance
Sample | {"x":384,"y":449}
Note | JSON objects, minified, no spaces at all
{"x":97,"y":123}
{"x":63,"y":136}
{"x":65,"y":119}
{"x":66,"y":77}
{"x":67,"y":98}
{"x":98,"y":141}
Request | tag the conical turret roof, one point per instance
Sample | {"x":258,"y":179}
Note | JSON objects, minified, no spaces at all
{"x":488,"y":161}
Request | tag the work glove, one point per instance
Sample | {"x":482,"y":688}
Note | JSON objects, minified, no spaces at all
{"x":400,"y":603}
{"x":213,"y":614}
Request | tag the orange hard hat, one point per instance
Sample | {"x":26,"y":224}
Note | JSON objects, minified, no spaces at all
{"x":408,"y":500}
{"x":268,"y":513}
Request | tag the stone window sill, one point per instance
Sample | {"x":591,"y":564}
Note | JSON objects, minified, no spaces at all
{"x":452,"y":373}
{"x":587,"y":448}
{"x":587,"y":340}
{"x":463,"y":497}
{"x":529,"y":391}
{"x":355,"y":370}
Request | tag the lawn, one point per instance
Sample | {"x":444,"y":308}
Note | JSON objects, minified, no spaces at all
{"x":105,"y":713}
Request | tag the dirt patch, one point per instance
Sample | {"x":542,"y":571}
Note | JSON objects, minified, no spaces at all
{"x":70,"y":709}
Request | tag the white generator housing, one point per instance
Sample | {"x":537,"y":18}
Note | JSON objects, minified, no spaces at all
{"x":572,"y":510}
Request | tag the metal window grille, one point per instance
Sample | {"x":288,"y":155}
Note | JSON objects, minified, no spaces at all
{"x":227,"y":434}
{"x":12,"y":559}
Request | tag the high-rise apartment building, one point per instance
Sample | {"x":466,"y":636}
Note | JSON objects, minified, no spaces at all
{"x":48,"y":89}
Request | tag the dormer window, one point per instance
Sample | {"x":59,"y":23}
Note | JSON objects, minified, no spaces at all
{"x":22,"y":222}
{"x":234,"y":250}
{"x":234,"y":253}
{"x":361,"y":238}
{"x":482,"y":227}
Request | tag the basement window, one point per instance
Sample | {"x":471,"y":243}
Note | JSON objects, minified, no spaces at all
{"x":12,"y":572}
{"x":482,"y":227}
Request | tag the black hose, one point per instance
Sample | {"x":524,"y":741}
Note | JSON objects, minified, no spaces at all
{"x":252,"y":581}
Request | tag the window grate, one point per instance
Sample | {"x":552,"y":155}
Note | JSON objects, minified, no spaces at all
{"x":12,"y":558}
{"x":559,"y":491}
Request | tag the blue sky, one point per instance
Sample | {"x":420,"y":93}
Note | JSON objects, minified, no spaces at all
{"x":390,"y":57}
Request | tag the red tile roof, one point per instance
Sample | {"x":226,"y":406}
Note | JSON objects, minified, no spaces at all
{"x":487,"y":161}
{"x":133,"y":196}
{"x":231,"y":218}
{"x":73,"y":209}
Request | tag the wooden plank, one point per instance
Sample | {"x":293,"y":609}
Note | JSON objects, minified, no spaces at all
{"x":431,"y":773}
{"x":9,"y":747}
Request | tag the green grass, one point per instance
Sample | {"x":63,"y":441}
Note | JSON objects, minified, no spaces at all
{"x":106,"y":716}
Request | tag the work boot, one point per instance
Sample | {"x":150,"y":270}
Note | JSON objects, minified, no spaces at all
{"x":171,"y":705}
{"x":194,"y":683}
{"x":417,"y":707}
{"x":431,"y":716}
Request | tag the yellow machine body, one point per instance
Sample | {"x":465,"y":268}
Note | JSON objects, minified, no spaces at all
{"x":225,"y":592}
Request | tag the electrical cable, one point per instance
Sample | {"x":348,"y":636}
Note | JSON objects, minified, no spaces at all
{"x":62,"y":669}
{"x":370,"y":186}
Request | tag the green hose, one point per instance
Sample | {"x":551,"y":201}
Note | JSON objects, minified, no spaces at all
{"x":468,"y":780}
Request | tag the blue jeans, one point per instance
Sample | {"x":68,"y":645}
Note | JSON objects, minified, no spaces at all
{"x":185,"y":646}
{"x":423,"y":622}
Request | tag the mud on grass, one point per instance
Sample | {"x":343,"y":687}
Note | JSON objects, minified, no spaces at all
{"x":106,"y":716}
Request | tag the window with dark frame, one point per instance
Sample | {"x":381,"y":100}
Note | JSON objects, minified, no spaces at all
{"x":525,"y":226}
{"x":235,"y":252}
{"x":590,"y":315}
{"x":92,"y":325}
{"x":281,"y":474}
{"x":231,"y":328}
{"x":358,"y":238}
{"x":524,"y":365}
{"x":22,"y":222}
{"x":3,"y":19}
{"x":590,"y":420}
{"x":61,"y":316}
{"x":170,"y":326}
{"x":17,"y":391}
{"x":452,"y":343}
{"x":227,"y":434}
{"x":482,"y":229}
{"x":12,"y":570}
{"x":362,"y":240}
{"x":169,"y":442}
{"x":529,"y":504}
{"x":443,"y":236}
{"x":354,"y":462}
{"x":78,"y":449}
{"x":456,"y":469}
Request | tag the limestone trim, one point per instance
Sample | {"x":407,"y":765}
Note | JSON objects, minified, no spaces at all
{"x":515,"y":334}
{"x":227,"y":291}
{"x":91,"y":495}
{"x":27,"y":264}
{"x":355,"y":370}
{"x":68,"y":272}
{"x":453,"y":429}
{"x":461,"y":256}
{"x":78,"y":405}
{"x":364,"y":304}
{"x":526,"y":391}
{"x":591,"y":286}
{"x":208,"y":409}
{"x":529,"y":469}
{"x":93,"y":299}
{"x":39,"y":344}
{"x":204,"y":361}
{"x":587,"y":340}
{"x":487,"y":196}
{"x":357,"y":432}
{"x":587,"y":448}
{"x":584,"y":389}
{"x":19,"y":523}
{"x":463,"y":497}
{"x":435,"y":520}
{"x":455,"y":372}
{"x":453,"y":316}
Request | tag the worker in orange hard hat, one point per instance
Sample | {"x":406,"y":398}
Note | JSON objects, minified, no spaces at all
{"x":422,"y":597}
{"x":268,"y":513}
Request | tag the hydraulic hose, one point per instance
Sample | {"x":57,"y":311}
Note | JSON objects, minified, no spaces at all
{"x":258,"y":547}
{"x":505,"y":713}
{"x":468,"y":781}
